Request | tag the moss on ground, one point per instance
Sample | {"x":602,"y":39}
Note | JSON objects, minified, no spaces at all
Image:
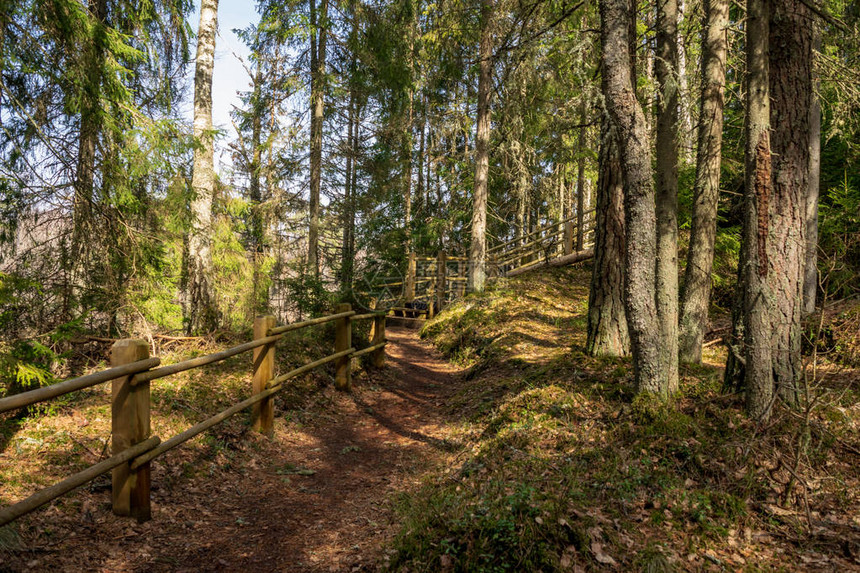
{"x":566,"y":470}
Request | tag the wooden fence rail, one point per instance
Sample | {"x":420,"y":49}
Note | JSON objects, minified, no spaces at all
{"x":132,"y":372}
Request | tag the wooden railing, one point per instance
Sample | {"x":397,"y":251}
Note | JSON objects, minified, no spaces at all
{"x":434,"y":281}
{"x":133,"y":371}
{"x":566,"y":238}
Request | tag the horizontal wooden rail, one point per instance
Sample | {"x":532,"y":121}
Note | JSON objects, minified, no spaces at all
{"x":311,"y":322}
{"x":73,"y":384}
{"x":407,"y":309}
{"x":539,"y":230}
{"x":192,"y":363}
{"x":131,"y":403}
{"x":367,"y":315}
{"x":201,"y":427}
{"x":308,"y":367}
{"x":369,"y":349}
{"x":42,"y":497}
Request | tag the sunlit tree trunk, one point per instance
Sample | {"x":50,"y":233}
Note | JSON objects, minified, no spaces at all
{"x":667,"y":188}
{"x":88,"y":136}
{"x":257,"y":227}
{"x":607,"y":319}
{"x":791,"y":100}
{"x":758,"y":367}
{"x":640,"y":217}
{"x":478,"y":250}
{"x":200,"y":306}
{"x":696,"y":292}
{"x":810,"y":281}
{"x":319,"y":27}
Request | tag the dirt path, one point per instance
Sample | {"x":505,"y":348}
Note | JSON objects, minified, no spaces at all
{"x":317,"y":498}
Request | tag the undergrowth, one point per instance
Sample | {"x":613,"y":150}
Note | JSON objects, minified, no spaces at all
{"x":567,"y":471}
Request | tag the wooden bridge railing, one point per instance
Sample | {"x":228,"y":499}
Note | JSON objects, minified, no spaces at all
{"x":132,"y":371}
{"x":433,"y":281}
{"x":555,"y":240}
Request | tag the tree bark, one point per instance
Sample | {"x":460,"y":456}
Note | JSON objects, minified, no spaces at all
{"x":791,"y":101}
{"x":667,"y":188}
{"x":810,"y":281}
{"x":580,"y":180}
{"x":607,"y":319}
{"x":696,"y":294}
{"x":88,"y":136}
{"x":758,"y":373}
{"x":319,"y":27}
{"x":200,"y":307}
{"x":478,"y":250}
{"x":640,"y":217}
{"x":685,"y":136}
{"x":347,"y":252}
{"x":257,"y":228}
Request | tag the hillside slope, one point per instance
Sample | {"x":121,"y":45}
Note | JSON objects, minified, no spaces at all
{"x":564,"y":470}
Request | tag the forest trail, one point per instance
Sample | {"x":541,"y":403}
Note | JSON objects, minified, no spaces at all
{"x":319,"y":497}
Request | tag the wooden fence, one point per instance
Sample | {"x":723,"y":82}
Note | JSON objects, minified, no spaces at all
{"x":132,"y":372}
{"x":569,"y":238}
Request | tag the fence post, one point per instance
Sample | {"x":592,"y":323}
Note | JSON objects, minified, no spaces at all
{"x":409,"y":286}
{"x":263,"y":368}
{"x":441,"y":265}
{"x":568,"y":237}
{"x":343,"y":341}
{"x":378,"y":356}
{"x":129,"y":426}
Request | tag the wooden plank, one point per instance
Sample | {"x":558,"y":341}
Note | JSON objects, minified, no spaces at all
{"x":41,"y":394}
{"x":130,"y":426}
{"x":308,"y":367}
{"x":263,"y":370}
{"x":192,"y":363}
{"x":557,"y":262}
{"x":203,"y":426}
{"x":311,"y":322}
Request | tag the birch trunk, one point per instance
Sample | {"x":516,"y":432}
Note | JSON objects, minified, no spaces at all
{"x":200,"y":307}
{"x":810,"y":281}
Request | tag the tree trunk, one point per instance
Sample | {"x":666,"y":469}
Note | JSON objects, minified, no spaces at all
{"x":758,"y":373}
{"x":85,"y":169}
{"x":580,"y":180}
{"x":347,"y":253}
{"x":200,"y":313}
{"x":319,"y":26}
{"x":667,"y":188}
{"x":810,"y":281}
{"x":607,"y":319}
{"x":259,"y":297}
{"x":478,"y":251}
{"x":696,"y":293}
{"x":640,"y":217}
{"x":685,"y":128}
{"x":791,"y":100}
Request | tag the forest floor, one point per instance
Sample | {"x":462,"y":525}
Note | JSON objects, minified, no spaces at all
{"x":565,"y":469}
{"x":494,"y":444}
{"x":318,"y":497}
